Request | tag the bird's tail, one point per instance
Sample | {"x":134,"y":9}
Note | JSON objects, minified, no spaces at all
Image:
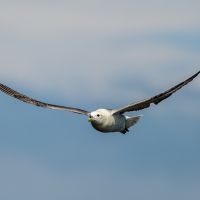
{"x":130,"y":121}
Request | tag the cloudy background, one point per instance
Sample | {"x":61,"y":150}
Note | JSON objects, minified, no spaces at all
{"x":94,"y":54}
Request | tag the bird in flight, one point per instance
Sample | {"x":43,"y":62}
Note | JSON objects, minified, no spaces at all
{"x":105,"y":120}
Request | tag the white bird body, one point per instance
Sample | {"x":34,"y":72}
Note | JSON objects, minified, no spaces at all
{"x":105,"y":120}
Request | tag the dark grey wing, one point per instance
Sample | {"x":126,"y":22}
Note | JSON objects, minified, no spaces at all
{"x":156,"y":99}
{"x":29,"y":100}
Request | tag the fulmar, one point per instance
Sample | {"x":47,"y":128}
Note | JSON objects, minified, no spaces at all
{"x":105,"y":120}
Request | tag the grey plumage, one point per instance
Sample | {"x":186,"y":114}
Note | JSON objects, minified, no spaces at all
{"x":155,"y":99}
{"x":29,"y":100}
{"x":105,"y":120}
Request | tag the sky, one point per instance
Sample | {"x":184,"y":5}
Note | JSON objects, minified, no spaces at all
{"x":93,"y":54}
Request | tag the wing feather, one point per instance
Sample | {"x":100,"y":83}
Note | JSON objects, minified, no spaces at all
{"x":29,"y":100}
{"x":155,"y":99}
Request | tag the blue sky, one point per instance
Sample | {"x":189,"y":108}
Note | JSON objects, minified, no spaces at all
{"x":94,"y":54}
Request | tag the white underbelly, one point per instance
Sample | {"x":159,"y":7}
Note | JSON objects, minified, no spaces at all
{"x":114,"y":124}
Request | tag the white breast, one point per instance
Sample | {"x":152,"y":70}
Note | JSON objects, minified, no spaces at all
{"x":111,"y":123}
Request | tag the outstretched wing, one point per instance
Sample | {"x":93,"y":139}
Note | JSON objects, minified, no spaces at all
{"x":29,"y":100}
{"x":155,"y":99}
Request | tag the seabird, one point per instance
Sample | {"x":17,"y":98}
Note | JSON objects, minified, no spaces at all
{"x":105,"y":120}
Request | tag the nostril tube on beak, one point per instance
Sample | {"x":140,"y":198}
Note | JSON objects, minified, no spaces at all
{"x":90,"y":118}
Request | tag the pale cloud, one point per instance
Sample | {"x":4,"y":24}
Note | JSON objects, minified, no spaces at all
{"x":95,"y":76}
{"x":67,"y":48}
{"x":95,"y":18}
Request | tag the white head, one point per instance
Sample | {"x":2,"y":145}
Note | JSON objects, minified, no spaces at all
{"x":99,"y":116}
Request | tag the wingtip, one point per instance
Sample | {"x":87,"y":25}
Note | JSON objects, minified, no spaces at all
{"x":195,"y":75}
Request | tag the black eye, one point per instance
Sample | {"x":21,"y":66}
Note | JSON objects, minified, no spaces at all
{"x":98,"y":115}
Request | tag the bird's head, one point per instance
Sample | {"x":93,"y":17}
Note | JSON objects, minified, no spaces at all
{"x":98,"y":117}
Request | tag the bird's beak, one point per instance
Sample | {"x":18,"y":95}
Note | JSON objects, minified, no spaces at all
{"x":90,"y":118}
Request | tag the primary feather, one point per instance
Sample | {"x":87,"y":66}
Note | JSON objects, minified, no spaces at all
{"x":29,"y":100}
{"x":155,"y":99}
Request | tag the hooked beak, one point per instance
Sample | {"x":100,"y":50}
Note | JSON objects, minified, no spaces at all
{"x":90,"y":119}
